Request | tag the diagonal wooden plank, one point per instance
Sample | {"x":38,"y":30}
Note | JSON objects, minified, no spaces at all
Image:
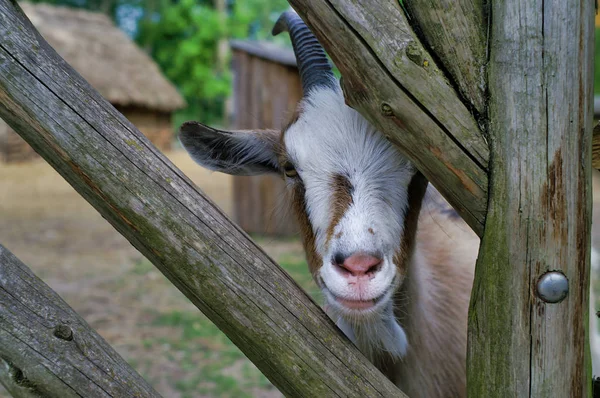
{"x":47,"y":350}
{"x":148,"y":200}
{"x":392,"y":80}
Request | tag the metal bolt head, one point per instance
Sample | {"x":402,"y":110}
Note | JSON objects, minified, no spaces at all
{"x":553,"y":287}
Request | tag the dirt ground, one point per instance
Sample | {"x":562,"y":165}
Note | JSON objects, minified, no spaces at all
{"x":45,"y":223}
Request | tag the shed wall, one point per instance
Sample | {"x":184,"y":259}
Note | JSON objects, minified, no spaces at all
{"x":266,"y":94}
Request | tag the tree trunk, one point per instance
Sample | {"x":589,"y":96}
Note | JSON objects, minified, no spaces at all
{"x":148,"y":200}
{"x":47,"y":350}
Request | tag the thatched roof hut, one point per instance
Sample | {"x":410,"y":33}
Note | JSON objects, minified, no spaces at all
{"x":112,"y":63}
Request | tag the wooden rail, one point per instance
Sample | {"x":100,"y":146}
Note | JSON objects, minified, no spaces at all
{"x":148,"y":200}
{"x":393,"y":80}
{"x":47,"y":350}
{"x":517,"y":168}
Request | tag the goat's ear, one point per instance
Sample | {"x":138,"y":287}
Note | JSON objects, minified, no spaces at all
{"x":242,"y":152}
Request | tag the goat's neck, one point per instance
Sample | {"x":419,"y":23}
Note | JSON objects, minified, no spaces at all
{"x":411,"y":313}
{"x":431,"y":306}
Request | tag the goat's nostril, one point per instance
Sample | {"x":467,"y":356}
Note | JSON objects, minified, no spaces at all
{"x":342,"y":269}
{"x":358,"y":264}
{"x":339,"y":258}
{"x":374,"y":268}
{"x":338,"y":262}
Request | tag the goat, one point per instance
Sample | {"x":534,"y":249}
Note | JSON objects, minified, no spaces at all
{"x":394,"y":261}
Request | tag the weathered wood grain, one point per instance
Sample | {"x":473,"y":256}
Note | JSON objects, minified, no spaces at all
{"x":455,"y":32}
{"x":148,"y":200}
{"x":394,"y":82}
{"x":596,"y":147}
{"x":47,"y":350}
{"x":540,"y":81}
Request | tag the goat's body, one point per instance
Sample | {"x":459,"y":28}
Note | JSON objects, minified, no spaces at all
{"x":432,"y":305}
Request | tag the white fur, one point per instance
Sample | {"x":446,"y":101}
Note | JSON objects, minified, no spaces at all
{"x":331,"y":138}
{"x":375,"y":335}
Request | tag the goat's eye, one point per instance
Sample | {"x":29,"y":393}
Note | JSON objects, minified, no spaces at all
{"x":289,"y":170}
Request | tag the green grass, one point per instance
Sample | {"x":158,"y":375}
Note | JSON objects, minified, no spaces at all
{"x":209,"y":363}
{"x":298,"y":269}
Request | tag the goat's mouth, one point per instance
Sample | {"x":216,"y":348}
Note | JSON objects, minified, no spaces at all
{"x":351,"y":306}
{"x":357,"y":305}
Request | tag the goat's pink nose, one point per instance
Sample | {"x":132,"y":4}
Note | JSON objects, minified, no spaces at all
{"x":360,"y":264}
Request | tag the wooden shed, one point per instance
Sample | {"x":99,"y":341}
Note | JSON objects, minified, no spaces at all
{"x":112,"y":63}
{"x":266,"y":91}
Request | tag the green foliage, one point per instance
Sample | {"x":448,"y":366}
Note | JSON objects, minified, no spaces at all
{"x":188,"y":39}
{"x":183,"y":39}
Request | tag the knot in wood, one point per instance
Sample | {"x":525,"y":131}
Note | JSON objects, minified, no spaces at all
{"x":63,"y":332}
{"x":17,"y":377}
{"x":414,"y":52}
{"x":387,"y":110}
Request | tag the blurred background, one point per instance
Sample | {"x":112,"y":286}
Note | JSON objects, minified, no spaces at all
{"x":161,"y":62}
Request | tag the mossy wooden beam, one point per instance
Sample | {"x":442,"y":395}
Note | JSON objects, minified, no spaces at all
{"x":160,"y":211}
{"x":596,"y":147}
{"x":47,"y":350}
{"x":539,"y":215}
{"x":455,"y":32}
{"x":391,"y":78}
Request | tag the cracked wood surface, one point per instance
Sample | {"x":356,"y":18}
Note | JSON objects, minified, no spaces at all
{"x":540,"y":80}
{"x":47,"y":350}
{"x":148,"y":200}
{"x":596,"y":147}
{"x":391,"y":79}
{"x":455,"y":31}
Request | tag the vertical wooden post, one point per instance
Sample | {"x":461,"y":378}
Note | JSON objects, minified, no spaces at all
{"x":539,"y":211}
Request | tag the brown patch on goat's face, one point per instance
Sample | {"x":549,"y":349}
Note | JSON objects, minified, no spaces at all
{"x":340,"y":202}
{"x":292,"y":119}
{"x":371,"y":231}
{"x":282,"y":151}
{"x":416,"y":191}
{"x":298,"y":196}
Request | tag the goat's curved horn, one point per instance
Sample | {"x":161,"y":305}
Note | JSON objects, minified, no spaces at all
{"x":315,"y":70}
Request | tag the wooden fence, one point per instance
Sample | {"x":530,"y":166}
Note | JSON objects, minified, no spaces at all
{"x":160,"y":211}
{"x":48,"y":350}
{"x":499,"y":118}
{"x":493,"y":103}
